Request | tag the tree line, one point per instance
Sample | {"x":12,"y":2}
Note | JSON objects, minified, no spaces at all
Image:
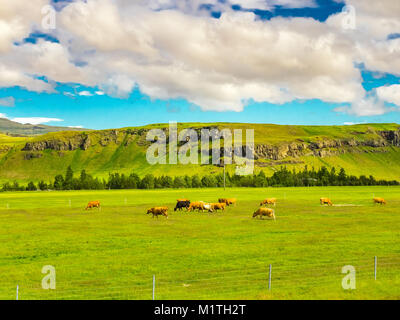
{"x":281,"y":178}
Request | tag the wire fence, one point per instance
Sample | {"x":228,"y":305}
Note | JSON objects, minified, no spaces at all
{"x":240,"y":283}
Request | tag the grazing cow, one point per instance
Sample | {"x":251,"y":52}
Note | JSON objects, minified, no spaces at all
{"x":158,"y":211}
{"x":379,"y":200}
{"x":199,"y":205}
{"x":218,"y":206}
{"x":227,"y":201}
{"x":268,"y":201}
{"x":327,"y":201}
{"x":93,"y":204}
{"x":264,"y":212}
{"x":182,"y":204}
{"x":207,"y":206}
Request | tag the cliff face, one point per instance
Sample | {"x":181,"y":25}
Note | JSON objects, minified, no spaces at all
{"x":319,"y":147}
{"x":324,"y":148}
{"x":78,"y":142}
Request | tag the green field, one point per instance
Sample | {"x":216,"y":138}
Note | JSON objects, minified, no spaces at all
{"x":114,"y":252}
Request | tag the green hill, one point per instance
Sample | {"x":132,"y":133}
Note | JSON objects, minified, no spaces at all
{"x":360,"y":149}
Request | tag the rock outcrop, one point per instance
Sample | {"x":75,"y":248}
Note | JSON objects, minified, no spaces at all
{"x":376,"y":141}
{"x":81,"y":141}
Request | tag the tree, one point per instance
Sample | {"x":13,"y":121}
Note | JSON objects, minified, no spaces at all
{"x":196,"y":182}
{"x":69,"y":175}
{"x":342,"y":177}
{"x":147,"y":182}
{"x":58,"y":182}
{"x":42,"y":185}
{"x":31,"y":186}
{"x":179,"y":182}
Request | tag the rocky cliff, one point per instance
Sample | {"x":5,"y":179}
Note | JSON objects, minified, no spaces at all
{"x":358,"y":142}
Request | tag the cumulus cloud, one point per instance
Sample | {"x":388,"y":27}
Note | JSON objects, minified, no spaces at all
{"x":369,"y":106}
{"x":175,"y":49}
{"x":390,"y":94}
{"x":218,"y":64}
{"x":17,"y":17}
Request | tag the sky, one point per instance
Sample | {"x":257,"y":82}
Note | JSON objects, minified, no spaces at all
{"x":116,"y":63}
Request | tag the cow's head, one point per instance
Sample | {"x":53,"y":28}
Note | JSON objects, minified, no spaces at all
{"x":255,"y":214}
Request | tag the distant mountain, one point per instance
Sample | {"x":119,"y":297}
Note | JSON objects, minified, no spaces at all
{"x":18,"y":129}
{"x":360,"y":149}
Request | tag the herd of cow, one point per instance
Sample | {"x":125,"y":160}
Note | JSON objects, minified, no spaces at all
{"x":221,"y":205}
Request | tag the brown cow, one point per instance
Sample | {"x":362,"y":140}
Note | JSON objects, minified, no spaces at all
{"x":268,"y":201}
{"x":93,"y":204}
{"x":327,"y":201}
{"x":379,"y":200}
{"x":264,"y":212}
{"x":228,"y":201}
{"x":218,"y":206}
{"x":199,"y":205}
{"x":158,"y":211}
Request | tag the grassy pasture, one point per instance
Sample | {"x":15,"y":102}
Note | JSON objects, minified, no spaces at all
{"x":113,"y":253}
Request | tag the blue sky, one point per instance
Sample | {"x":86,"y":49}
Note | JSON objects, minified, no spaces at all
{"x":77,"y":104}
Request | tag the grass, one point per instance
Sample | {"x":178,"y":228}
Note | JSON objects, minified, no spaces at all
{"x":124,"y":152}
{"x":114,"y":253}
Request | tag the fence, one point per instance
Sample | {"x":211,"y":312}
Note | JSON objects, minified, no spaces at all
{"x":300,"y":280}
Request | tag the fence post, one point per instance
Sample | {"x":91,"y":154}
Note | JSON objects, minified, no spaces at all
{"x":375,"y":266}
{"x":154,"y":286}
{"x":17,"y":293}
{"x":269,"y":278}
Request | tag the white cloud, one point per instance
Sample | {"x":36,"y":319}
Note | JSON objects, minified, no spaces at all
{"x":369,"y":106}
{"x":30,"y":120}
{"x":35,"y":120}
{"x":7,"y":102}
{"x":179,"y":51}
{"x":218,"y":64}
{"x":78,"y":127}
{"x":85,"y":94}
{"x":390,"y":94}
{"x":68,"y":94}
{"x":17,"y":17}
{"x":195,"y":7}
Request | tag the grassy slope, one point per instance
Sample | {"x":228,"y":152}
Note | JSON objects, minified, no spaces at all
{"x":113,"y":253}
{"x":99,"y":161}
